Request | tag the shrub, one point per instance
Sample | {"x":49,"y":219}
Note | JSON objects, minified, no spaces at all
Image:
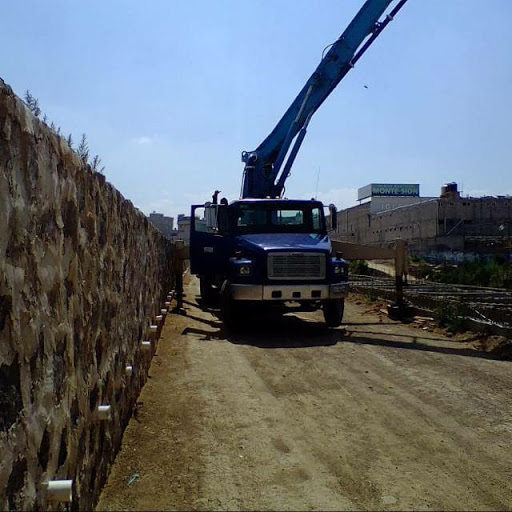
{"x":493,"y":273}
{"x":360,"y":267}
{"x":451,"y":316}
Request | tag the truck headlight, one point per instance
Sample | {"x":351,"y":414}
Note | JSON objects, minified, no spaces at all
{"x":245,"y":270}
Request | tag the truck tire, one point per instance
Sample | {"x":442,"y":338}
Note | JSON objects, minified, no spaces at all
{"x":206,"y":289}
{"x":333,"y":312}
{"x":229,"y":308}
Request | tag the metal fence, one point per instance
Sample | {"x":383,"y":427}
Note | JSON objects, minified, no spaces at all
{"x":490,"y":306}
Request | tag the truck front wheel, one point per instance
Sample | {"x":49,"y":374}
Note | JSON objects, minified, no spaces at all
{"x":333,"y":312}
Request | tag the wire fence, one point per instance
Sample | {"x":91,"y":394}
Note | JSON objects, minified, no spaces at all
{"x":492,"y":306}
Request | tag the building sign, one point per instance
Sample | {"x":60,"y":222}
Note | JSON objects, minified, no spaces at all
{"x":388,"y":189}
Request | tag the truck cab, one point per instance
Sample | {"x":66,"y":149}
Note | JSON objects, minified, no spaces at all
{"x":275,"y":252}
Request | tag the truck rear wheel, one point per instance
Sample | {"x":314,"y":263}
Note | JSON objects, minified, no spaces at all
{"x":333,"y":312}
{"x":229,"y":308}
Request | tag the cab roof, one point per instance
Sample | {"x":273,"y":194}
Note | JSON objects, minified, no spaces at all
{"x":270,"y":200}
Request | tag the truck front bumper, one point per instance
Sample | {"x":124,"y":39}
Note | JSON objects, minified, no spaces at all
{"x":289,"y":292}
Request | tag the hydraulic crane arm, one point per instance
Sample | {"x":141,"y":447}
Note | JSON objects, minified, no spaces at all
{"x":264,"y":173}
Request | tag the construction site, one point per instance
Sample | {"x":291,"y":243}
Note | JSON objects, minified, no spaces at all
{"x":265,"y":353}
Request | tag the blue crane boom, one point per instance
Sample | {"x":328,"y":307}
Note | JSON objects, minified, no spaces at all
{"x":267,"y":168}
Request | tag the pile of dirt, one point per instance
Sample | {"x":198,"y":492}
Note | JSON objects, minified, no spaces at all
{"x":498,"y":346}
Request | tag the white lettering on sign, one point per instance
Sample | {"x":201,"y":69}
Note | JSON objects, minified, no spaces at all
{"x":388,"y":189}
{"x":395,"y":190}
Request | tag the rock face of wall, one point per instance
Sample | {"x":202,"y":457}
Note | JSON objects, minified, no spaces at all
{"x":82,"y":275}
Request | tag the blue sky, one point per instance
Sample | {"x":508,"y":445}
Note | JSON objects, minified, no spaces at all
{"x":169,"y":93}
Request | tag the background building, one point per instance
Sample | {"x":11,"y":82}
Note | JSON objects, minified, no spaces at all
{"x":163,"y":223}
{"x":445,"y":227}
{"x":184,"y":228}
{"x":166,"y":226}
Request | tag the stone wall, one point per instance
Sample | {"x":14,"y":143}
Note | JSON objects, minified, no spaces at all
{"x":82,"y":276}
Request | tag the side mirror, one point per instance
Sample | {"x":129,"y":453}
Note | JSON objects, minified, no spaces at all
{"x":333,"y":214}
{"x":210,"y":213}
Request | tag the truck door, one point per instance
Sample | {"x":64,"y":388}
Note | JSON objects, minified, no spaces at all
{"x":210,"y":239}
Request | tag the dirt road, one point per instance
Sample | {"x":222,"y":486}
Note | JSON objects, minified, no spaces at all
{"x":292,"y":416}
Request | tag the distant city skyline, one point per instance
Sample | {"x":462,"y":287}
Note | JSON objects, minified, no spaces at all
{"x":169,"y":93}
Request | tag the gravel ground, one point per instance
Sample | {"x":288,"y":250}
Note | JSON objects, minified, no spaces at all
{"x":289,"y":415}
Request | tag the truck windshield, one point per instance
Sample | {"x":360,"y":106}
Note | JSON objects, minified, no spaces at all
{"x":279,"y":218}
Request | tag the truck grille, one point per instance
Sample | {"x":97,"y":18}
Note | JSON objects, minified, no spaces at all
{"x":296,"y":265}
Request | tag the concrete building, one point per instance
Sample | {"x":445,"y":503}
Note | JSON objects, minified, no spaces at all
{"x":163,"y":223}
{"x":166,"y":226}
{"x":184,"y":228}
{"x":445,"y":227}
